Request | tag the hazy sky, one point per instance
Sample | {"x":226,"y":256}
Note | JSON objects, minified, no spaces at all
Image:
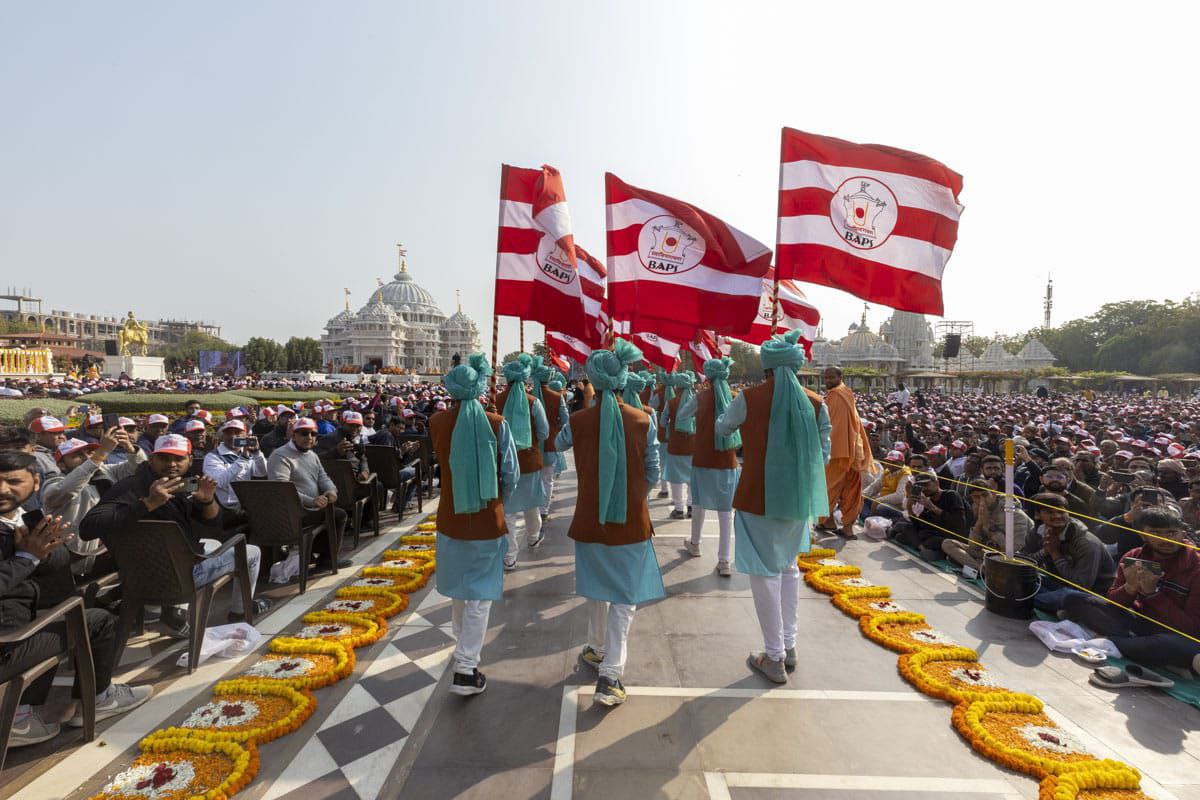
{"x":242,"y":162}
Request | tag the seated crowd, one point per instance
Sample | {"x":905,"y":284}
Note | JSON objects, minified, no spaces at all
{"x":1106,"y":496}
{"x":66,"y":494}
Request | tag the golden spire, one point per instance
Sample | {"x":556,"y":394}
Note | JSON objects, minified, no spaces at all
{"x":863,"y":323}
{"x":401,"y":253}
{"x":347,"y":293}
{"x":458,"y":299}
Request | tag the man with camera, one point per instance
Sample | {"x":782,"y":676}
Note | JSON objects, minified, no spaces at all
{"x":237,"y":458}
{"x":933,"y":515}
{"x":160,"y":490}
{"x":27,"y":556}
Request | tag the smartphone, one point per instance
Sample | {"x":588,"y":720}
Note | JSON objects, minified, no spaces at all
{"x":1122,"y":477}
{"x":1152,"y":566}
{"x":111,"y":421}
{"x":31,"y":519}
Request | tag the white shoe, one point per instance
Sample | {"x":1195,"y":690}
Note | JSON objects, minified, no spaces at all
{"x":693,"y":548}
{"x":510,"y":563}
{"x":723,"y":569}
{"x":117,"y":700}
{"x":32,"y":730}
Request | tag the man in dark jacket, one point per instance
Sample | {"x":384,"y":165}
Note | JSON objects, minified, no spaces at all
{"x":1068,"y":550}
{"x":29,"y":561}
{"x":933,"y":515}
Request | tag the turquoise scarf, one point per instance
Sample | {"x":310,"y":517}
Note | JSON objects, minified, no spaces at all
{"x":472,"y":442}
{"x":683,"y":381}
{"x":608,"y":370}
{"x":516,"y":408}
{"x":795,"y":465}
{"x":717,"y":372}
{"x":634,"y":383}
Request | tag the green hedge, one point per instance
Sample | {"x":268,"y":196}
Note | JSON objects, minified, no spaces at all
{"x":127,"y":402}
{"x":276,"y":396}
{"x":12,"y":409}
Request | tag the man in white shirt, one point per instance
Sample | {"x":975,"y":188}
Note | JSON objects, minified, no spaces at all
{"x":229,"y":463}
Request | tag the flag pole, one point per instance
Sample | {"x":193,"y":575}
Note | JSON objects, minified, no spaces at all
{"x":521,"y":327}
{"x":778,"y":224}
{"x":495,"y":292}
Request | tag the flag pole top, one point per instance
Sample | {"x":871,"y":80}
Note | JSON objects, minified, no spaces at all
{"x":400,"y":254}
{"x":458,"y":299}
{"x":346,"y":292}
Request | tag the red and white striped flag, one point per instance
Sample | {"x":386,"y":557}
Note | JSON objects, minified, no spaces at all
{"x":566,"y":346}
{"x":875,"y":221}
{"x":592,"y":277}
{"x":793,"y":313}
{"x":536,"y":266}
{"x":670,"y":260}
{"x":657,"y":350}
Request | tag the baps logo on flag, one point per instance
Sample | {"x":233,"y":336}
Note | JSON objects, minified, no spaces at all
{"x":668,"y":246}
{"x":553,"y":261}
{"x":863,"y":212}
{"x":766,"y":308}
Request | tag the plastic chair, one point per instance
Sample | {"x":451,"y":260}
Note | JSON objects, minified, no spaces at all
{"x":384,"y":461}
{"x":277,"y":520}
{"x":341,"y":472}
{"x":71,"y":610}
{"x":155,"y":560}
{"x":426,"y":456}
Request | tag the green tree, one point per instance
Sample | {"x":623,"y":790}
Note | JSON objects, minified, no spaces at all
{"x":746,"y":365}
{"x":302,"y":354}
{"x":17,"y":325}
{"x":186,"y":353}
{"x":263,"y":355}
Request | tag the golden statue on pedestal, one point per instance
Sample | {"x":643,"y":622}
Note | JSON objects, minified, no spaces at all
{"x":131,"y":333}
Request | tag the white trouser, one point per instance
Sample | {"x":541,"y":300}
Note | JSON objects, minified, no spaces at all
{"x":533,"y":524}
{"x":547,"y":487}
{"x":608,"y":632}
{"x":469,"y":621}
{"x":776,"y":599}
{"x":677,"y":492}
{"x":225,"y":564}
{"x":724,"y":520}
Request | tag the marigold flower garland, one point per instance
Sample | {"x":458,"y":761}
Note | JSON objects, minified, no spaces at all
{"x":273,"y":696}
{"x":1006,"y":727}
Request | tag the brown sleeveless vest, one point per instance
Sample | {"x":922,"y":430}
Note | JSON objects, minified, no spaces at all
{"x":585,"y":433}
{"x":751,"y":489}
{"x":552,"y":400}
{"x":529,"y":459}
{"x":645,"y":395}
{"x":485,"y":524}
{"x":704,"y":450}
{"x":678,"y":444}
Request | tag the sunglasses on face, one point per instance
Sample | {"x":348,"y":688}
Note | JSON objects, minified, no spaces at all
{"x":306,"y":433}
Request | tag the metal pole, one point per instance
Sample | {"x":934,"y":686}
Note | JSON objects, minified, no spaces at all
{"x":1009,"y":544}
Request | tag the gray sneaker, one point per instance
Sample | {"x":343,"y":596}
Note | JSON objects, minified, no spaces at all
{"x":510,"y":563}
{"x":723,"y":569}
{"x":789,"y":658}
{"x":32,"y":730}
{"x":773,"y":670}
{"x":118,"y":699}
{"x":693,"y":548}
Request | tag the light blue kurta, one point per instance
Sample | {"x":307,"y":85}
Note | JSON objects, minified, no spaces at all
{"x":626,"y":573}
{"x":474,"y":570}
{"x":659,"y":447}
{"x":554,"y":458}
{"x":676,"y":469}
{"x":710,"y":488}
{"x":768,"y":545}
{"x":529,"y":492}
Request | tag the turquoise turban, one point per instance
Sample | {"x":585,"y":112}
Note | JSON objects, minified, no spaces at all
{"x":516,"y":408}
{"x":608,"y":370}
{"x":795,"y":465}
{"x":717,"y":372}
{"x":634,"y":383}
{"x":683,"y":381}
{"x":472,"y":442}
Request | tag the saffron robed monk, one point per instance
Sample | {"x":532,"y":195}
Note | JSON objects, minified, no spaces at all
{"x":781,"y":491}
{"x":849,"y":457}
{"x":615,"y":565}
{"x":527,"y":422}
{"x":714,"y":474}
{"x":479,"y":470}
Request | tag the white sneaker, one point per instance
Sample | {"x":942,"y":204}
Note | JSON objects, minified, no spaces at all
{"x":32,"y":730}
{"x":510,"y":563}
{"x":117,"y":700}
{"x":723,"y":569}
{"x":693,"y":548}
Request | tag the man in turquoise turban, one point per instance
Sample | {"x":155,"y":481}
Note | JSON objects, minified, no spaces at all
{"x":781,"y":491}
{"x":615,"y":566}
{"x":677,"y":466}
{"x":714,"y":460}
{"x":659,"y":397}
{"x":526,"y":419}
{"x":542,"y":377}
{"x":479,"y":470}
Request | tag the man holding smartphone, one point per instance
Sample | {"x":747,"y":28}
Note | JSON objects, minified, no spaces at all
{"x":237,"y":458}
{"x":27,"y":555}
